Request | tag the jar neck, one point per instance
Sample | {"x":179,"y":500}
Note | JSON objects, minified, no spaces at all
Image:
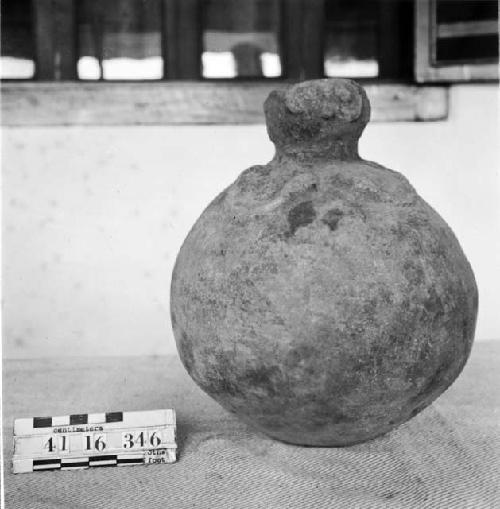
{"x":335,"y":149}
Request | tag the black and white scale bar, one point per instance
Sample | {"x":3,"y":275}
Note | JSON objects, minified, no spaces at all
{"x":73,"y":420}
{"x":131,"y":461}
{"x":116,"y":460}
{"x":107,"y":460}
{"x":94,"y":421}
{"x":74,"y":463}
{"x":47,"y":464}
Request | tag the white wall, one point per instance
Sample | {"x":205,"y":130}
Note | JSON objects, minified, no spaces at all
{"x":93,"y":217}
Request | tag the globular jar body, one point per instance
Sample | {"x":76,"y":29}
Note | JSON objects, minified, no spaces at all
{"x":319,"y":297}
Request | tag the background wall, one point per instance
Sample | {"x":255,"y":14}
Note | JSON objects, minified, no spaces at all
{"x":93,"y":217}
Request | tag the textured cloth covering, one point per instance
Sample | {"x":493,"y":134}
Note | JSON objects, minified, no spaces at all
{"x":446,"y":457}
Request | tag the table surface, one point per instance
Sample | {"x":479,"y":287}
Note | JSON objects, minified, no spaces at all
{"x":446,"y":457}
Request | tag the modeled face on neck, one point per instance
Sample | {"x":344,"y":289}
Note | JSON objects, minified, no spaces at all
{"x":317,"y":112}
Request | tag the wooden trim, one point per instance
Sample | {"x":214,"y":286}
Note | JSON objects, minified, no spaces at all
{"x":175,"y":103}
{"x":425,"y":39}
{"x":42,"y":21}
{"x":98,"y":35}
{"x":432,"y":32}
{"x":313,"y":18}
{"x":181,"y":39}
{"x":462,"y":72}
{"x":389,"y":41}
{"x":292,"y":39}
{"x":467,"y":28}
{"x":55,"y":39}
{"x":303,"y":36}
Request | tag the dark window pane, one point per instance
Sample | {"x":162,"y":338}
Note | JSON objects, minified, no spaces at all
{"x":457,"y":49}
{"x":119,"y":39}
{"x":452,"y":11}
{"x":240,"y":39}
{"x":351,"y":38}
{"x":17,"y":55}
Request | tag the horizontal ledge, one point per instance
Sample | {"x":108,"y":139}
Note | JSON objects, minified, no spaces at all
{"x":458,"y":73}
{"x":177,"y":103}
{"x":467,"y":28}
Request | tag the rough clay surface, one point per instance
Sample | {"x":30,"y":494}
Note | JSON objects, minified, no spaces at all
{"x":319,"y":297}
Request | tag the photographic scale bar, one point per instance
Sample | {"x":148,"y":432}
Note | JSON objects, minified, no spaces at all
{"x":26,"y":465}
{"x":80,"y":441}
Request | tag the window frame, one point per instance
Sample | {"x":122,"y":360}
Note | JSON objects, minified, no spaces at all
{"x":426,"y":71}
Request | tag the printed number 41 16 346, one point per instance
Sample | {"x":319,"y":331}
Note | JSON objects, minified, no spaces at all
{"x":98,"y":442}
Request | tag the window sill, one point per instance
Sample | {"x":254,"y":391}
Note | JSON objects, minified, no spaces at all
{"x":178,"y":103}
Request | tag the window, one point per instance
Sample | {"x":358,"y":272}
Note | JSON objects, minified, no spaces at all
{"x":457,"y":40}
{"x":241,"y":39}
{"x":249,"y":39}
{"x":54,"y":39}
{"x":17,"y":59}
{"x":207,"y":39}
{"x":369,"y":39}
{"x":351,"y":39}
{"x":119,"y":40}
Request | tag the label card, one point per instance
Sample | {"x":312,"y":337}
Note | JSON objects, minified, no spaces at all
{"x":93,"y":440}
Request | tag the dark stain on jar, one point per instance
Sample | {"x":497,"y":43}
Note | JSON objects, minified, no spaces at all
{"x":301,"y":215}
{"x":332,"y":218}
{"x":264,"y":378}
{"x":185,"y":348}
{"x":433,"y":304}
